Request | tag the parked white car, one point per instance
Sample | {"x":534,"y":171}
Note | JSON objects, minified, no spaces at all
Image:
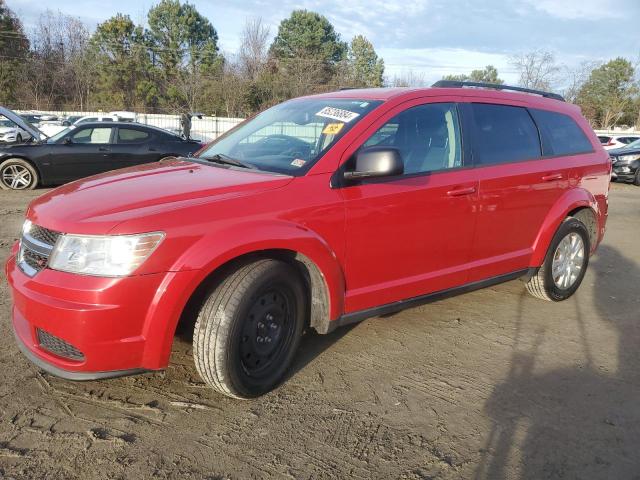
{"x":11,"y":133}
{"x":617,"y":141}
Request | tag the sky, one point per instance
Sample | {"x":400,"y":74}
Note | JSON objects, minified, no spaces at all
{"x":429,"y":38}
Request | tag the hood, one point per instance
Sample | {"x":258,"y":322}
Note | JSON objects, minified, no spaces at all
{"x":4,"y":130}
{"x":22,"y":123}
{"x":96,"y":205}
{"x":616,"y":152}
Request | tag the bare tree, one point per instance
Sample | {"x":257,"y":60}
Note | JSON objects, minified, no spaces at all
{"x":254,"y":48}
{"x":575,"y":77}
{"x":538,"y":69}
{"x":56,"y":66}
{"x":407,"y":78}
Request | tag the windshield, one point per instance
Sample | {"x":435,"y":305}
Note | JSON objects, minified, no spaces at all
{"x":7,"y":123}
{"x":59,"y":135}
{"x":289,"y":138}
{"x":635,"y":144}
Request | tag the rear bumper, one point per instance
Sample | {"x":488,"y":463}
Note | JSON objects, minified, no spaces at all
{"x":121,"y":326}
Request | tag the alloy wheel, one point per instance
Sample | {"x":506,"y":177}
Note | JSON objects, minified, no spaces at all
{"x":16,"y":177}
{"x":568,"y":261}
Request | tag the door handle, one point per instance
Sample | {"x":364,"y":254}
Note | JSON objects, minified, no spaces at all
{"x":458,"y":192}
{"x":151,"y":149}
{"x":552,"y":177}
{"x":103,"y":149}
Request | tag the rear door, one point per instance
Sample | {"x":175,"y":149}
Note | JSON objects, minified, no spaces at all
{"x":517,"y":187}
{"x":411,"y":234}
{"x":134,"y":146}
{"x":85,"y":151}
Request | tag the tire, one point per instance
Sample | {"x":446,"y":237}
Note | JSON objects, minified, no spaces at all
{"x":636,"y":179}
{"x":543,"y":285}
{"x":17,"y":174}
{"x":260,"y":300}
{"x":18,"y":138}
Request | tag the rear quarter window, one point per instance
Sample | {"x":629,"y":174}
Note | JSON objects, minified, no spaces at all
{"x":129,"y":135}
{"x":561,"y":135}
{"x":503,"y":134}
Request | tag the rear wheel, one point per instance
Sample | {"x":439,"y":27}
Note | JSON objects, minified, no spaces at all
{"x":17,"y":174}
{"x":565,"y":264}
{"x":636,"y":179}
{"x":249,"y":328}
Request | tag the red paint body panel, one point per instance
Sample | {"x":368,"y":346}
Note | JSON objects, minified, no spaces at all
{"x":373,"y":243}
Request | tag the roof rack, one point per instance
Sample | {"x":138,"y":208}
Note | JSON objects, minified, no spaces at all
{"x":458,"y":84}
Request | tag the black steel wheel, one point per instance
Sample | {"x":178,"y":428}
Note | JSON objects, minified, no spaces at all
{"x":249,"y":328}
{"x":268,"y":330}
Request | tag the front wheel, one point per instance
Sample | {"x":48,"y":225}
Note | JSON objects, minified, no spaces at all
{"x":249,"y":328}
{"x":636,"y":179}
{"x":565,"y":264}
{"x":17,"y":174}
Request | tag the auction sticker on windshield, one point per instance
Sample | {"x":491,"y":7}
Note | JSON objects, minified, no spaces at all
{"x":332,"y":128}
{"x":337,"y":114}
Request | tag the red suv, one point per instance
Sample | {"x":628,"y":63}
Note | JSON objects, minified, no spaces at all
{"x":318,"y":212}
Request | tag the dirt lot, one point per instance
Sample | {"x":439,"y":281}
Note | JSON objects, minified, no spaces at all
{"x":489,"y":385}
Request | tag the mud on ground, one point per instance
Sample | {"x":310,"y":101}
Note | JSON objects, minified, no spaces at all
{"x":489,"y":385}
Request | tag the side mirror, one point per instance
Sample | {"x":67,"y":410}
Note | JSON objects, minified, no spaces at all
{"x":374,"y":162}
{"x":67,"y":141}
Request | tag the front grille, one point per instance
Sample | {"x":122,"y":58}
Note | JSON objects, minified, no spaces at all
{"x":36,"y":246}
{"x":44,"y":235}
{"x":58,"y":347}
{"x":34,"y":260}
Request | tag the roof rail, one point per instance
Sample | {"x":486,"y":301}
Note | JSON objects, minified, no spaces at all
{"x":496,"y":86}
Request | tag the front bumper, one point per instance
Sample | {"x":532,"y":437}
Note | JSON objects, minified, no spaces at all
{"x":120,"y":325}
{"x":624,"y":172}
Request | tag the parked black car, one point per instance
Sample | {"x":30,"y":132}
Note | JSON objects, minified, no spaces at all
{"x":626,"y":163}
{"x":83,"y":150}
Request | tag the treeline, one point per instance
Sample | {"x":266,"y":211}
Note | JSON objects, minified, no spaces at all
{"x":607,"y":93}
{"x":174,"y":64}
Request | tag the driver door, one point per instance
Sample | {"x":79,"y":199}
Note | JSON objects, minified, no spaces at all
{"x":83,"y":152}
{"x":411,"y":234}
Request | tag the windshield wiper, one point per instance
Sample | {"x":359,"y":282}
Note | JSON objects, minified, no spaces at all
{"x":227,"y":160}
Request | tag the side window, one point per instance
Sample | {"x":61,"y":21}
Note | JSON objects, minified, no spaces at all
{"x":561,"y":134}
{"x":604,"y":140}
{"x":98,"y":135}
{"x":427,"y":136}
{"x":129,"y":135}
{"x":87,"y":120}
{"x":503,"y":134}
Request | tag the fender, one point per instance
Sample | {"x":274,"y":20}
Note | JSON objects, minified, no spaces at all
{"x":207,"y":255}
{"x":571,"y":200}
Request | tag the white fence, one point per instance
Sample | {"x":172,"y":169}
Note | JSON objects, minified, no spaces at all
{"x":205,"y":128}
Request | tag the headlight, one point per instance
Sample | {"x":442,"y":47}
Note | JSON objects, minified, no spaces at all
{"x":108,"y":256}
{"x":629,"y":158}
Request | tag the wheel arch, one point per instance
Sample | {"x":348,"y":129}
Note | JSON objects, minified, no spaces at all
{"x":317,"y":264}
{"x":320,"y":295}
{"x":578,"y":203}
